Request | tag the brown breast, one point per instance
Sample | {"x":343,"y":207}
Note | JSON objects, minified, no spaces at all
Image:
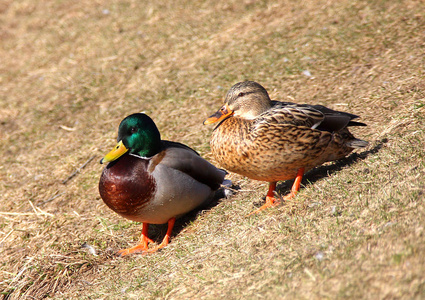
{"x":125,"y":185}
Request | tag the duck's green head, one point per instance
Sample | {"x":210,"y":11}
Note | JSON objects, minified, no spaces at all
{"x":137,"y":134}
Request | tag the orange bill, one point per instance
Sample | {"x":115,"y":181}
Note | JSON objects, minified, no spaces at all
{"x":220,"y":115}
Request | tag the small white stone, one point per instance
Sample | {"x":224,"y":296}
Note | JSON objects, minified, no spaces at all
{"x":307,"y":73}
{"x":319,"y":256}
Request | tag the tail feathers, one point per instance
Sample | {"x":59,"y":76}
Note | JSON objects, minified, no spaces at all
{"x":354,"y":123}
{"x":356,"y":143}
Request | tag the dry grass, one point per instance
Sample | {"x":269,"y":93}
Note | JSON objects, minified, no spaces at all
{"x":71,"y":70}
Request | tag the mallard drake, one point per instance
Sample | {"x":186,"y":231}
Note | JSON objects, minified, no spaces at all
{"x":270,"y":140}
{"x":154,"y":181}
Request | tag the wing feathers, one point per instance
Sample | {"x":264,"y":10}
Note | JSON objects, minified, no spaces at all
{"x":314,"y":116}
{"x":188,"y":161}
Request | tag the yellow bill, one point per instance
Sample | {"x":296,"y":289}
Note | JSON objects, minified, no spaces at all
{"x":117,"y":152}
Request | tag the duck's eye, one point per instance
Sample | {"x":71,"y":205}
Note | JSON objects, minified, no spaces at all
{"x":133,"y":129}
{"x":241,"y":94}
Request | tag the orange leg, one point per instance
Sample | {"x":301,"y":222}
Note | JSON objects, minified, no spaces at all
{"x":270,"y":198}
{"x":296,"y":186}
{"x":142,"y":246}
{"x":166,"y":239}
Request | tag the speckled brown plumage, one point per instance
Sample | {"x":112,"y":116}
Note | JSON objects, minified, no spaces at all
{"x":271,"y":141}
{"x":271,"y":152}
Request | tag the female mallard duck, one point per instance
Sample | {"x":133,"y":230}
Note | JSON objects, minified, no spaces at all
{"x":270,"y":141}
{"x":154,"y":181}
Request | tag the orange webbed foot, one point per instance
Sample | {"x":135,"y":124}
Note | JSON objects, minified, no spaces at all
{"x":139,"y":248}
{"x":271,"y":199}
{"x":142,"y":246}
{"x":144,"y":241}
{"x":289,"y":196}
{"x":164,"y":243}
{"x":270,"y":202}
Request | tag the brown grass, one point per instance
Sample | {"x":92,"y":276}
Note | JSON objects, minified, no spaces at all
{"x":71,"y":70}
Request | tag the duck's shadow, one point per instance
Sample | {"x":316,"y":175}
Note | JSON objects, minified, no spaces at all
{"x":324,"y":171}
{"x":157,"y":232}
